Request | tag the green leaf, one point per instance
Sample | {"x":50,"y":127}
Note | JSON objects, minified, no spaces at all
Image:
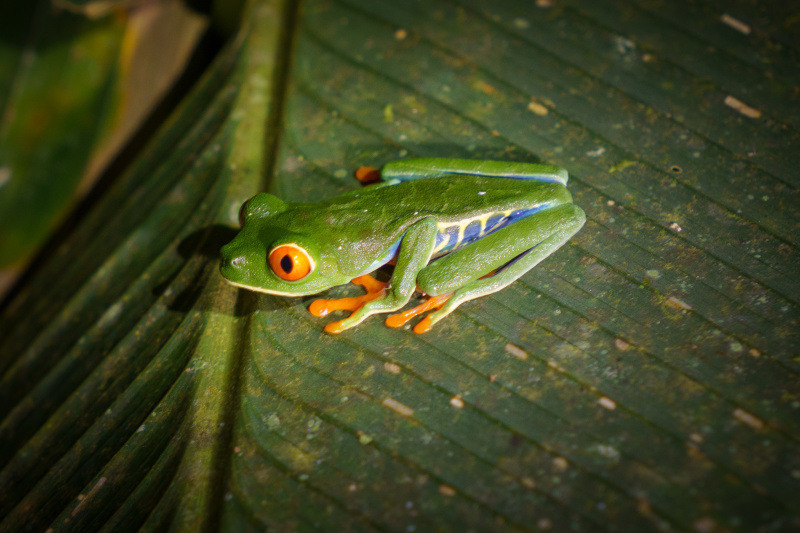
{"x":644,"y":377}
{"x":57,"y":80}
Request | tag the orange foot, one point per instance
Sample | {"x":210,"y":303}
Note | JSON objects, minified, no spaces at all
{"x":322,"y":307}
{"x":400,"y":319}
{"x":368,"y":174}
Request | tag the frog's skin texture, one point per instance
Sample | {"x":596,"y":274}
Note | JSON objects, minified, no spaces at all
{"x":456,"y":230}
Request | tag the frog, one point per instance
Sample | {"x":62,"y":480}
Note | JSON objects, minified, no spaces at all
{"x":453,"y":229}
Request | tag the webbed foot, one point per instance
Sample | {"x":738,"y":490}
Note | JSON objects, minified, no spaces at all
{"x":400,"y":319}
{"x":321,"y":307}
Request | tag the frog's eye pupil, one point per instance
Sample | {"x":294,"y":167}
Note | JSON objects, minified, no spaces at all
{"x":290,"y":262}
{"x":286,"y":264}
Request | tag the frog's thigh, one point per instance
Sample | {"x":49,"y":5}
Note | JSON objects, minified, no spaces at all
{"x":426,"y":168}
{"x":540,"y":234}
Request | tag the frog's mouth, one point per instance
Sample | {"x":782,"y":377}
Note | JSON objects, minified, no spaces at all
{"x":230,"y":274}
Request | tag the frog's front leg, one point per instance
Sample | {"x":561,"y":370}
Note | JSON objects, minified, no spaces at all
{"x":415,"y":252}
{"x":322,"y":307}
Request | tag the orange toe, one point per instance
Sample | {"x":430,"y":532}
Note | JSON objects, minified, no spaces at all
{"x":369,"y":283}
{"x":368,"y":174}
{"x":334,"y":328}
{"x":319,"y":307}
{"x":423,"y":325}
{"x":322,"y":307}
{"x":400,"y":319}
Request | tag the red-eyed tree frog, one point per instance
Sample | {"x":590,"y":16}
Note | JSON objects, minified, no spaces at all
{"x":455,"y":230}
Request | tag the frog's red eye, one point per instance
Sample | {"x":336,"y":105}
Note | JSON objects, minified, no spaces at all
{"x":290,"y":262}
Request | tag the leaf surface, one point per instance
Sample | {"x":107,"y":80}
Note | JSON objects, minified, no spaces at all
{"x":644,"y":377}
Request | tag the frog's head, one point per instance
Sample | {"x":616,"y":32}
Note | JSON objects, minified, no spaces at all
{"x":267,"y":256}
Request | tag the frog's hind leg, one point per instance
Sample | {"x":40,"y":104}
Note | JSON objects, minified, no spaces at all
{"x":402,"y":170}
{"x":427,"y":168}
{"x":533,"y":239}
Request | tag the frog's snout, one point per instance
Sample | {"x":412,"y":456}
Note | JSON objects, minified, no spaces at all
{"x":233,"y":264}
